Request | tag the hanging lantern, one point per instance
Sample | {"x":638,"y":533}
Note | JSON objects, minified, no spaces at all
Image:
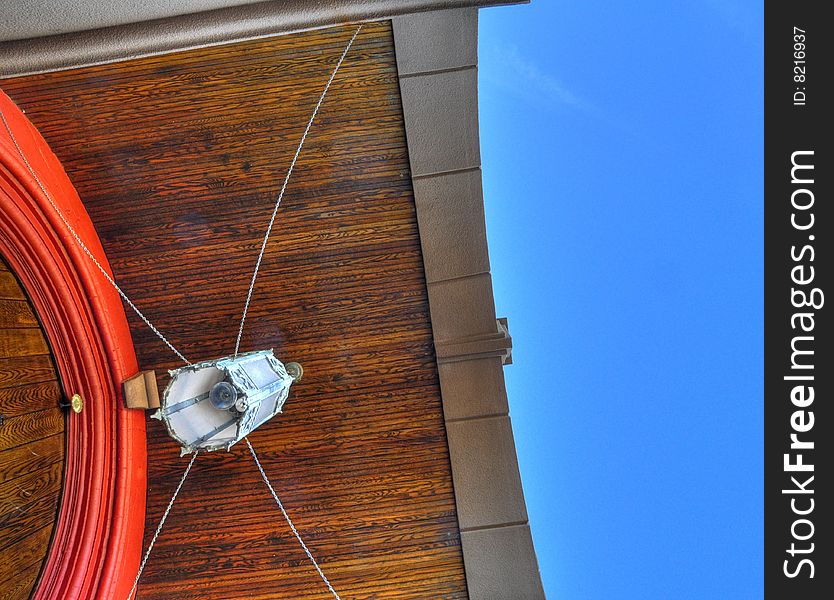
{"x":213,"y":405}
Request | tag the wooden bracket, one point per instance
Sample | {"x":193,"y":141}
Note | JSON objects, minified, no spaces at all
{"x":140,"y":391}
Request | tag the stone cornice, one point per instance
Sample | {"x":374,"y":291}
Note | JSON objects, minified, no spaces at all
{"x":437,"y":66}
{"x":75,"y":34}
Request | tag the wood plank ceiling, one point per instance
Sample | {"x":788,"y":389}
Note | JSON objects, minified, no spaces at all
{"x":178,"y":159}
{"x":31,"y":442}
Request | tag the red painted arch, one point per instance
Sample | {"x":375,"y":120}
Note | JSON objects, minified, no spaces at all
{"x":97,"y":539}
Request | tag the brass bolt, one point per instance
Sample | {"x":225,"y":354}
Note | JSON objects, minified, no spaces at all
{"x":77,"y":403}
{"x":294,"y":370}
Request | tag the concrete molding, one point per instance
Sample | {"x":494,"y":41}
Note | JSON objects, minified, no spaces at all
{"x":32,"y":18}
{"x":37,"y":37}
{"x":441,"y":120}
{"x":498,"y":344}
{"x":436,"y":41}
{"x":473,"y":388}
{"x":450,"y":208}
{"x":437,"y":62}
{"x":501,"y":564}
{"x":487,"y":482}
{"x":462,"y":309}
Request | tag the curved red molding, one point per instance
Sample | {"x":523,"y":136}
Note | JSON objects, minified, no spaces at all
{"x":97,"y":540}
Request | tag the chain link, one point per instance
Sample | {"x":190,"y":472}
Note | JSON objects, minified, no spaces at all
{"x":284,"y":187}
{"x":289,"y":521}
{"x":82,"y":245}
{"x":159,"y":527}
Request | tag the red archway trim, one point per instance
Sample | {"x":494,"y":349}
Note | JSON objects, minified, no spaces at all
{"x":97,"y":539}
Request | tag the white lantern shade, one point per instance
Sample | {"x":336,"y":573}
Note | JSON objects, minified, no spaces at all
{"x":213,"y":405}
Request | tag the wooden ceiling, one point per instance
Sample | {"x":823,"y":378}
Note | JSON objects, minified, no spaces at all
{"x":31,"y":442}
{"x":178,"y":159}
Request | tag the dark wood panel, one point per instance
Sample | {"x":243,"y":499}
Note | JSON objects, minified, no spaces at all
{"x":32,"y":457}
{"x":20,"y":586}
{"x":16,"y":313}
{"x":31,"y":442}
{"x":25,"y":428}
{"x":9,"y":287}
{"x":15,"y":342}
{"x":178,"y":159}
{"x":18,"y":522}
{"x":34,"y":397}
{"x":22,"y":490}
{"x":27,"y":554}
{"x":26,"y":370}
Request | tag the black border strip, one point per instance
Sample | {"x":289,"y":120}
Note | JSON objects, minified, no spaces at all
{"x":798,"y":335}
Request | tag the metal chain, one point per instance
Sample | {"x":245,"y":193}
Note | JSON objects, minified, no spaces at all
{"x":82,"y":245}
{"x":159,"y":527}
{"x":289,"y":521}
{"x":284,"y":187}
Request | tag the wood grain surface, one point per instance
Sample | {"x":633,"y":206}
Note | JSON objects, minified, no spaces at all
{"x":178,"y":159}
{"x":31,"y":442}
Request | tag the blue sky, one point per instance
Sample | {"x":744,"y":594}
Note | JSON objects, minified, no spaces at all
{"x":622,"y":152}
